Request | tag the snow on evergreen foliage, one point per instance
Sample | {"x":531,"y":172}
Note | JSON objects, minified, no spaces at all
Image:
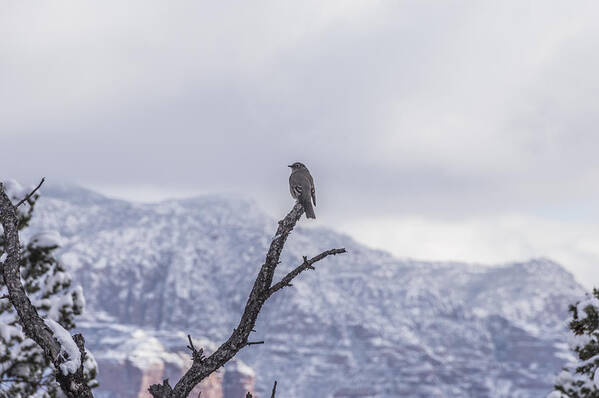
{"x":24,"y":370}
{"x":581,"y":378}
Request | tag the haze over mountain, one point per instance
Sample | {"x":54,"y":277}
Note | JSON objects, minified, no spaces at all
{"x":364,"y":324}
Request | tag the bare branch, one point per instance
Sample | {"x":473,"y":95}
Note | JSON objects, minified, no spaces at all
{"x":161,"y":390}
{"x":73,"y":385}
{"x":307,"y":264}
{"x":255,"y":342}
{"x":261,"y":291}
{"x":31,"y":193}
{"x":274,"y":390}
{"x":196,"y":355}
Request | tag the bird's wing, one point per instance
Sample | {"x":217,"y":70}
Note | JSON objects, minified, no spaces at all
{"x":312,"y":190}
{"x":296,"y":185}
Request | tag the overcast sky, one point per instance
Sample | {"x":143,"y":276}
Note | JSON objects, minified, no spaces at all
{"x":436,"y":130}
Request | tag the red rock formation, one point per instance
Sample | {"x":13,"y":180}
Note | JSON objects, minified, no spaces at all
{"x":131,"y":377}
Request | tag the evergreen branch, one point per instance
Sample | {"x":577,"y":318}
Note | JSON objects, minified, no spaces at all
{"x":73,"y":385}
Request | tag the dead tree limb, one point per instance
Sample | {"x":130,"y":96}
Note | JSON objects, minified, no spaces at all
{"x":72,"y":384}
{"x":274,"y":390}
{"x":307,"y":264}
{"x":31,"y":193}
{"x":261,"y":291}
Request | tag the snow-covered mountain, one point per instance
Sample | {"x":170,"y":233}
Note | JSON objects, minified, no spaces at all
{"x":364,"y":324}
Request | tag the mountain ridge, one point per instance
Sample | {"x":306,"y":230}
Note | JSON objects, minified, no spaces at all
{"x":365,"y":323}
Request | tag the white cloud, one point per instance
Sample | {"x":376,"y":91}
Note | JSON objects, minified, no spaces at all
{"x":488,"y":240}
{"x":406,"y":110}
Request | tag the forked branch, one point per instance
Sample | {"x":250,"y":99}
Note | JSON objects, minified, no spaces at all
{"x":73,"y":384}
{"x":261,"y":291}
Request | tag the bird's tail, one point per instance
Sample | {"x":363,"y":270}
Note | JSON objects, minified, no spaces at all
{"x":308,"y":208}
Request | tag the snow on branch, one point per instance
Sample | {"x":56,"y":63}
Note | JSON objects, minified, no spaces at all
{"x":54,"y":345}
{"x":68,"y":347}
{"x":261,"y":291}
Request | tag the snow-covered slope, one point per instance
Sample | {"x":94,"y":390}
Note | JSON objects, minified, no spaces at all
{"x":365,"y":324}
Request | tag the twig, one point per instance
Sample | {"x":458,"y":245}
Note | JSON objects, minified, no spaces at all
{"x":190,"y":346}
{"x":31,"y":193}
{"x":196,"y":355}
{"x":161,"y":390}
{"x":274,"y":390}
{"x":307,"y":264}
{"x":255,"y":342}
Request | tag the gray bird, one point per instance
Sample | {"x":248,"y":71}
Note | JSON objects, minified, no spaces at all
{"x":301,"y":186}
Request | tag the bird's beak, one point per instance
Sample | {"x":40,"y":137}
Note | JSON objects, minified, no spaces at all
{"x":290,"y":165}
